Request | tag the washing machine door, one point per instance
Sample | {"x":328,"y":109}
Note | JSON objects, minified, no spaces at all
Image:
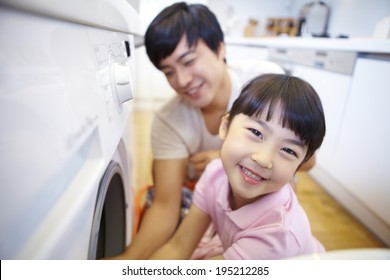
{"x":108,"y":232}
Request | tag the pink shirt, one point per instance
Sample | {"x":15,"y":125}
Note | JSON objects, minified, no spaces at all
{"x":273,"y":227}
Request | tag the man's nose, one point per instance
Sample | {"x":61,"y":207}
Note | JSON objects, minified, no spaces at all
{"x":183,"y":78}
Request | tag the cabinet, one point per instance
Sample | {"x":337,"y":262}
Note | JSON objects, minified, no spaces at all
{"x":333,"y":89}
{"x":352,"y":163}
{"x":362,"y":164}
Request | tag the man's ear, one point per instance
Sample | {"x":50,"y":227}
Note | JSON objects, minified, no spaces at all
{"x":223,"y":128}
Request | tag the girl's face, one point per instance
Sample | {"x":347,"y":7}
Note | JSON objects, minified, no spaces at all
{"x":196,"y":73}
{"x":259,"y":156}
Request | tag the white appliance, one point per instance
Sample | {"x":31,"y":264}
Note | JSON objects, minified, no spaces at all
{"x":313,"y":19}
{"x":66,"y":75}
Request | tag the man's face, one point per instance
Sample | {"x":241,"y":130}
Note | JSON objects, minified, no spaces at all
{"x":195,"y":72}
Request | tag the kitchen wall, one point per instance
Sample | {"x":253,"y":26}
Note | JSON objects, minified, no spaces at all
{"x":150,"y":8}
{"x":355,"y":18}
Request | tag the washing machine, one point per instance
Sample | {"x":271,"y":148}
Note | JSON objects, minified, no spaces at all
{"x":66,"y":87}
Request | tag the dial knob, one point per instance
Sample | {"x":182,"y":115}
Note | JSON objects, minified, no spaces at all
{"x":123,"y":82}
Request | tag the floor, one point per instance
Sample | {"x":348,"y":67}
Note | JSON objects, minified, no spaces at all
{"x":331,"y":223}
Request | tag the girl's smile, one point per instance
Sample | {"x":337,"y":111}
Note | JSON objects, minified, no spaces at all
{"x":250,"y":176}
{"x":260,"y":156}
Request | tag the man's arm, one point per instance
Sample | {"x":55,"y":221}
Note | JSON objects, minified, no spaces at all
{"x":186,"y":238}
{"x":161,"y":218}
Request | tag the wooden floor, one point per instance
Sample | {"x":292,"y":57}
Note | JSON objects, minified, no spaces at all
{"x":331,"y":223}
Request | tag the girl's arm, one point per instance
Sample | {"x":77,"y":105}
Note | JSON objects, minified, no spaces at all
{"x":219,"y":257}
{"x":186,"y":238}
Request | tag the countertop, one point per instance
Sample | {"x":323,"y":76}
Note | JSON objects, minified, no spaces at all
{"x":360,"y":45}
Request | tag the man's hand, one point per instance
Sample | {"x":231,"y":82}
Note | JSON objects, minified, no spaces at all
{"x":201,"y":159}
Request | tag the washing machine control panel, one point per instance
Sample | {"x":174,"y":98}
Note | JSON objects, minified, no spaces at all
{"x":115,"y":71}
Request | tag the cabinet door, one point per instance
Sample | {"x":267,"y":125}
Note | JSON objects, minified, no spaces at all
{"x":362,"y":152}
{"x":333,"y":90}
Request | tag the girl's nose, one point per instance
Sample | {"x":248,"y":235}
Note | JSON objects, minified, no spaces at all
{"x":263,"y":158}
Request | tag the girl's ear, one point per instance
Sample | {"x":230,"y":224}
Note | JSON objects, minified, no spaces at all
{"x":221,"y":50}
{"x":223,"y":128}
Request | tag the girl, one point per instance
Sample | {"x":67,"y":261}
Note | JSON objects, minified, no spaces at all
{"x":275,"y":125}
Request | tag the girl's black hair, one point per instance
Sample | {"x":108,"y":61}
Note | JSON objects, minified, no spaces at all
{"x":300,"y":104}
{"x":196,"y":21}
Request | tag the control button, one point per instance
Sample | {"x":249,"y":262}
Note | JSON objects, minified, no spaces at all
{"x":127,"y":47}
{"x":122,"y":82}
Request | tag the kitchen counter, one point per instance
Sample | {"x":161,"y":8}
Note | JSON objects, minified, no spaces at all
{"x":361,"y":45}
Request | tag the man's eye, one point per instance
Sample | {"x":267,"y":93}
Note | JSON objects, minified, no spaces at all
{"x":168,"y":73}
{"x":256,"y":132}
{"x":290,"y":152}
{"x":189,"y":62}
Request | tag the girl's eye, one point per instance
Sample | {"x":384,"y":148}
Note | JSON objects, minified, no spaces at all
{"x":290,"y":152}
{"x":256,"y":132}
